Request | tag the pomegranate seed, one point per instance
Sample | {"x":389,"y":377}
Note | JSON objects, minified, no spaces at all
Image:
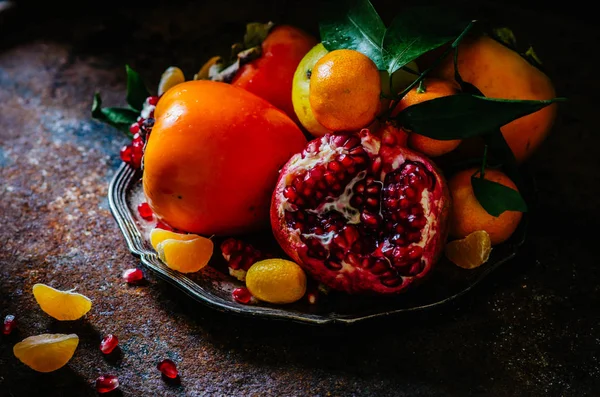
{"x":106,"y":383}
{"x":9,"y":324}
{"x":168,"y":368}
{"x":145,"y":211}
{"x":133,"y":276}
{"x":134,"y":128}
{"x":312,"y":297}
{"x":108,"y":344}
{"x":152,"y":100}
{"x":164,"y":226}
{"x":126,"y":152}
{"x":242,"y":295}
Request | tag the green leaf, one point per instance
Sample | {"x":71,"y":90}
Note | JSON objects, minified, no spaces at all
{"x":465,"y":115}
{"x":256,"y":33}
{"x":418,"y":30}
{"x":496,"y":198}
{"x":353,"y":25}
{"x":136,"y":89}
{"x":120,"y":118}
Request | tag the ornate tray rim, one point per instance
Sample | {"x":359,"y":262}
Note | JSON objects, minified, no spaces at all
{"x":124,"y":177}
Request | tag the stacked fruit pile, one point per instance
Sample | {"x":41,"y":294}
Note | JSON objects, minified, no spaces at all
{"x":372,"y":151}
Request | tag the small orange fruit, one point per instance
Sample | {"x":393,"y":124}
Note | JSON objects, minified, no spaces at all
{"x":276,"y":281}
{"x":429,"y":89}
{"x":46,"y":352}
{"x":471,"y":251}
{"x":345,"y":90}
{"x":186,"y":256}
{"x":158,"y":235}
{"x":61,"y":305}
{"x":468,"y":216}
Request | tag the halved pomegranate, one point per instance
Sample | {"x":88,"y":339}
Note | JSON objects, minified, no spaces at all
{"x":360,"y":213}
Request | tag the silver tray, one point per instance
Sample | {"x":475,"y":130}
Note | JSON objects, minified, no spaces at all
{"x":213,"y":285}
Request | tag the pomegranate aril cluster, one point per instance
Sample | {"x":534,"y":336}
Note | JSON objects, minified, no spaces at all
{"x":240,"y":256}
{"x":132,"y":153}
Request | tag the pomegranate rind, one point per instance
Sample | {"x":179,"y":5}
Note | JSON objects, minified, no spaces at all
{"x":353,"y":278}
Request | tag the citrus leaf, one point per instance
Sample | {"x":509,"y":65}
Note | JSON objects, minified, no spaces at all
{"x":496,"y":198}
{"x":119,"y":118}
{"x":465,"y":115}
{"x":136,"y":89}
{"x":354,"y":25}
{"x":418,"y":30}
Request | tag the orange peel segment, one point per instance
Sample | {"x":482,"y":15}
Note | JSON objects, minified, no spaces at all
{"x":61,"y":305}
{"x":470,"y":252}
{"x":46,"y":352}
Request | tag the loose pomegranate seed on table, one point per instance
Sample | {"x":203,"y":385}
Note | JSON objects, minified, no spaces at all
{"x":109,"y":343}
{"x":9,"y":324}
{"x":133,"y":276}
{"x":106,"y":383}
{"x":168,"y":368}
{"x":242,"y":295}
{"x":145,"y":211}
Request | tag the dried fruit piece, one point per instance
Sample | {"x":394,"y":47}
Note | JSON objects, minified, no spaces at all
{"x":159,"y":234}
{"x":61,"y":305}
{"x":9,"y":324}
{"x":106,"y":383}
{"x":133,"y":276}
{"x":46,"y":352}
{"x":168,"y":368}
{"x":186,"y":256}
{"x":276,"y":281}
{"x":108,"y":343}
{"x":471,"y":251}
{"x":170,"y":78}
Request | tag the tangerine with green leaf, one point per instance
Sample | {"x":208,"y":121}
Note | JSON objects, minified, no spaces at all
{"x":500,"y":72}
{"x":467,"y":215}
{"x":428,"y":89}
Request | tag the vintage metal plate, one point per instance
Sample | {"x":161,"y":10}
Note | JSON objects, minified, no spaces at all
{"x":213,"y":285}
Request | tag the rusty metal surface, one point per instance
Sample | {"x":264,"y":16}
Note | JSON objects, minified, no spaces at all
{"x":531,"y":329}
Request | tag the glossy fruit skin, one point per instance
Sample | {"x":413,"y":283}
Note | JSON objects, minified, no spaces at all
{"x":301,"y":91}
{"x":499,"y":72}
{"x":270,"y":76}
{"x":345,"y":90}
{"x":431,"y":88}
{"x":212,"y":160}
{"x":468,"y":216}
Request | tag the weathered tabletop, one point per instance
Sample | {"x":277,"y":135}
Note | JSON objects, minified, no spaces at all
{"x":532,"y":328}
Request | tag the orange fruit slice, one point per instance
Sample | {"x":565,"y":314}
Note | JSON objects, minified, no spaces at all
{"x":158,"y":235}
{"x":46,"y":352}
{"x":276,"y":281}
{"x":471,"y":251}
{"x":185,"y":256}
{"x":61,"y":305}
{"x":169,"y":79}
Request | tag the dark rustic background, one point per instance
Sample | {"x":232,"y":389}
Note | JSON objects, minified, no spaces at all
{"x":532,"y":329}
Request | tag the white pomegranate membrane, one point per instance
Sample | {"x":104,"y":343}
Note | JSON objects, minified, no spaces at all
{"x":361,"y":214}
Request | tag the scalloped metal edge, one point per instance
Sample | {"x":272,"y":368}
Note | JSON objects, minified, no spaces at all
{"x":117,"y":198}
